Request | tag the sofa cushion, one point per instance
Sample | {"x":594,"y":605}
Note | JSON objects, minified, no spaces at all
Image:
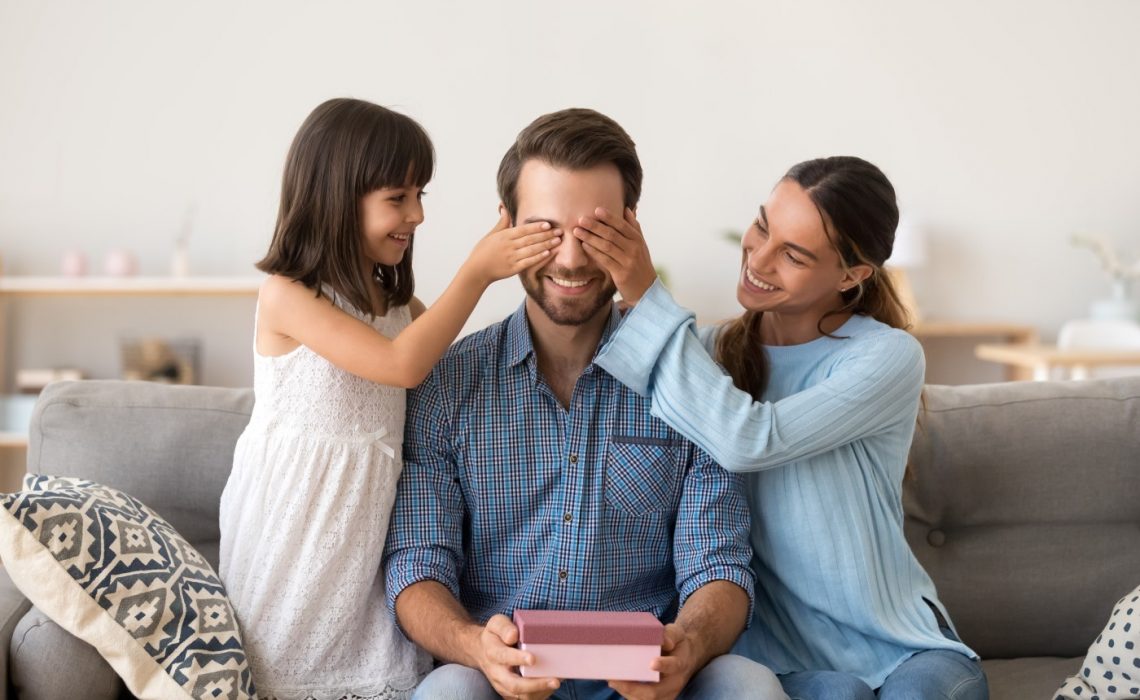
{"x":48,"y":662}
{"x":1023,"y":509}
{"x":1031,"y":678}
{"x":171,"y":447}
{"x":112,"y":572}
{"x":13,"y":607}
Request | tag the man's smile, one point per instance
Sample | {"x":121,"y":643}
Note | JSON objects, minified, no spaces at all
{"x":569,"y":287}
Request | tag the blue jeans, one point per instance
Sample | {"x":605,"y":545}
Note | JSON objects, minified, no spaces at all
{"x":729,"y":677}
{"x":937,"y":674}
{"x":928,"y":675}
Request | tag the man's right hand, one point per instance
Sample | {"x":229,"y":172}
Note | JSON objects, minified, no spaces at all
{"x":498,"y":659}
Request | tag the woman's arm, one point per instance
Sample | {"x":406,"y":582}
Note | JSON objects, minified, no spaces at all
{"x":657,"y":353}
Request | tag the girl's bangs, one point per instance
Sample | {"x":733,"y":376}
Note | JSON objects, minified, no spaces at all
{"x":404,"y":157}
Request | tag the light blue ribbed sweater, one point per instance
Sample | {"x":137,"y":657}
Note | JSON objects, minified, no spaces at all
{"x":837,"y":587}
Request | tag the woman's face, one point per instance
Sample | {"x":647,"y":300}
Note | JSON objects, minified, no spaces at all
{"x":789,"y":265}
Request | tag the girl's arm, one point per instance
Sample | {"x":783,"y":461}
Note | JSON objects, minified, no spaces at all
{"x":657,"y":353}
{"x":289,"y":310}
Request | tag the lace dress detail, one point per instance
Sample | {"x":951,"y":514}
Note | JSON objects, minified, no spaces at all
{"x":303,"y":520}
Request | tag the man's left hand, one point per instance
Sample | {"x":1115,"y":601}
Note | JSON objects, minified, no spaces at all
{"x":677,"y":665}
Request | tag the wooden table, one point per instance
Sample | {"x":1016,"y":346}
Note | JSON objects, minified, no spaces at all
{"x":980,"y":330}
{"x":1041,"y":359}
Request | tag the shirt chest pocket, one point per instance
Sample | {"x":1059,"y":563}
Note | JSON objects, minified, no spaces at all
{"x":642,"y":475}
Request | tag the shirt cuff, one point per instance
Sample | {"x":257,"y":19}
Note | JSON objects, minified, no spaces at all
{"x":733,"y":574}
{"x":406,"y":569}
{"x":632,"y":351}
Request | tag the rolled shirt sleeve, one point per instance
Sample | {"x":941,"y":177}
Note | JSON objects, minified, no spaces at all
{"x":425,"y":536}
{"x":711,"y":539}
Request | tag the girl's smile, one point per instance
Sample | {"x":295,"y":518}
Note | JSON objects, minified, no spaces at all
{"x":401,"y":239}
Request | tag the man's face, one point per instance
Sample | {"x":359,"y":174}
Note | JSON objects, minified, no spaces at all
{"x":570,"y":288}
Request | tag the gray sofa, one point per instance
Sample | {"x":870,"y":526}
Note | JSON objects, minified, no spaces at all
{"x":1023,"y":503}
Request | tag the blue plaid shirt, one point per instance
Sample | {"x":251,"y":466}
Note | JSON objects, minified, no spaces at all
{"x":512,"y":501}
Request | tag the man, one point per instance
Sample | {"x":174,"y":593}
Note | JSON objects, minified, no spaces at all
{"x":534,"y":480}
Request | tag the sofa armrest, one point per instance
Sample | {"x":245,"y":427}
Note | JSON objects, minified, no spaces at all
{"x":13,"y":607}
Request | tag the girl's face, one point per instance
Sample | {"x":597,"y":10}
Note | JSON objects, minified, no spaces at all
{"x":389,"y":218}
{"x":789,"y":265}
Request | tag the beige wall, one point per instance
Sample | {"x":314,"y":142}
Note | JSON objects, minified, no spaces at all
{"x":1006,"y":126}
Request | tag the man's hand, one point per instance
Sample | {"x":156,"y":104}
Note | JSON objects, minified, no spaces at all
{"x":498,"y":658}
{"x":615,"y":243}
{"x":677,"y":666}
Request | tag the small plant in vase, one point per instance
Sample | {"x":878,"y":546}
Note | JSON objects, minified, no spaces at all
{"x":1122,"y":305}
{"x":180,"y":262}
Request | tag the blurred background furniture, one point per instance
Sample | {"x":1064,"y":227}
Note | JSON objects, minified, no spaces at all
{"x":939,"y":336}
{"x":15,"y":408}
{"x":17,"y":286}
{"x":1085,"y":349}
{"x":1102,"y":334}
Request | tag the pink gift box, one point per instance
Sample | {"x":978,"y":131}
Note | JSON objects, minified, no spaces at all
{"x":608,"y":646}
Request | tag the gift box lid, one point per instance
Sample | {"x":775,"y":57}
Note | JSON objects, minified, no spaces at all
{"x":588,"y":627}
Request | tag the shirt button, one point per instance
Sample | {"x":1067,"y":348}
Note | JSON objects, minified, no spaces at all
{"x":573,"y":459}
{"x":562,"y":575}
{"x":567,"y":517}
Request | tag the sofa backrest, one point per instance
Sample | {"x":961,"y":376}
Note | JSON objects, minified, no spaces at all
{"x":171,"y":447}
{"x":1024,"y":506}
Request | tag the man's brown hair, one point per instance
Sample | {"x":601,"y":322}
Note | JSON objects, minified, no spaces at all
{"x":576,"y":139}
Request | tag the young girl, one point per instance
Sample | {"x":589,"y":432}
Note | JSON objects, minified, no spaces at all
{"x":819,"y":410}
{"x":305,"y":512}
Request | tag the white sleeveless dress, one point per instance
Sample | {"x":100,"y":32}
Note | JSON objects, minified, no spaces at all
{"x":303,"y":520}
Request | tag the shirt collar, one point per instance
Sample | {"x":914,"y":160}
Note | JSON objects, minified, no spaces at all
{"x":520,"y":346}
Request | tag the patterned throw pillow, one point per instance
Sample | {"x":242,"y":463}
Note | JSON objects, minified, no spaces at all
{"x":112,"y":572}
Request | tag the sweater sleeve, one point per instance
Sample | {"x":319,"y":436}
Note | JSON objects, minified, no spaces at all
{"x":657,"y":352}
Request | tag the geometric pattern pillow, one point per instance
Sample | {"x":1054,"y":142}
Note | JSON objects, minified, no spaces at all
{"x":112,"y":572}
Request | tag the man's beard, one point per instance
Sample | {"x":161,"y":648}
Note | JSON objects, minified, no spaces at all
{"x":570,"y":311}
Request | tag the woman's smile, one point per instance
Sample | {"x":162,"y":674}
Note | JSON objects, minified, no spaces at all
{"x":755,"y":284}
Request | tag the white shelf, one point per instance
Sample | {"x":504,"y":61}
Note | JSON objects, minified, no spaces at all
{"x":30,"y":286}
{"x":127,"y":286}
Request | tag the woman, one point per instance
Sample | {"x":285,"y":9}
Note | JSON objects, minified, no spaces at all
{"x":819,"y":411}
